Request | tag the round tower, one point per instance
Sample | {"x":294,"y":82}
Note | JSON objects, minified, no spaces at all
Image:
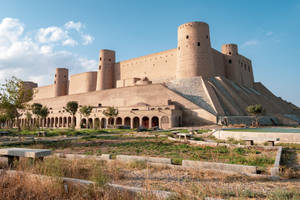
{"x":105,"y":76}
{"x":194,"y":56}
{"x":61,"y":82}
{"x":233,"y":71}
{"x":230,"y":49}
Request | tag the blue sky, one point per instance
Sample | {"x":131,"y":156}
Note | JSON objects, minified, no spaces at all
{"x":38,"y":36}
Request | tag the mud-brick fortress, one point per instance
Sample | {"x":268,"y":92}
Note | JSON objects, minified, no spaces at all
{"x":190,"y":85}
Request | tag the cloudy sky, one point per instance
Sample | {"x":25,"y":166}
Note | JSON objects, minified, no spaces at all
{"x":38,"y":36}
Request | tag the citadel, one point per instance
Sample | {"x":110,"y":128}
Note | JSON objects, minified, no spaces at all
{"x":190,"y":85}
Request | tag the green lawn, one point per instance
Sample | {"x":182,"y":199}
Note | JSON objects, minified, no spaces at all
{"x":69,"y":132}
{"x":273,"y":130}
{"x":161,"y":147}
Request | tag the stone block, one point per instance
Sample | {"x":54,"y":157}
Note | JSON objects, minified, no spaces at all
{"x":127,"y":158}
{"x":23,"y":152}
{"x":220,"y":166}
{"x":274,"y":171}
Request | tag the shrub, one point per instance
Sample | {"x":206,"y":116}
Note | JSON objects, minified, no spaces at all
{"x":239,"y":151}
{"x":176,"y":161}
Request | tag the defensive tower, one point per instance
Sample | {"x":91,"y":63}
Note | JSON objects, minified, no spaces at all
{"x":194,"y":56}
{"x":105,"y":76}
{"x":61,"y":82}
{"x":232,"y":69}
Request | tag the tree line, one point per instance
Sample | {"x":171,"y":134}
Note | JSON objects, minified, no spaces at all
{"x":15,"y":100}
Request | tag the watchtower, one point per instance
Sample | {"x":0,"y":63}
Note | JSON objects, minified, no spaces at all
{"x":194,"y":55}
{"x":61,"y":82}
{"x":232,"y":70}
{"x":105,"y":76}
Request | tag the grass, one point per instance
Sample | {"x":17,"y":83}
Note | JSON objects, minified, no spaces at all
{"x":68,"y":132}
{"x":96,"y":144}
{"x":161,"y":147}
{"x":87,"y":169}
{"x":27,"y":188}
{"x":188,"y":184}
{"x":263,"y":129}
{"x":289,"y":159}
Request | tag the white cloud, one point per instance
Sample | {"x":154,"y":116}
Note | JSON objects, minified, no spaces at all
{"x":10,"y":30}
{"x":70,"y":42}
{"x":62,"y":35}
{"x":250,"y":43}
{"x":87,"y":39}
{"x":46,"y":49}
{"x":88,"y":64}
{"x":269,"y":33}
{"x":6,"y":73}
{"x":51,"y":34}
{"x":73,"y":25}
{"x":35,"y":58}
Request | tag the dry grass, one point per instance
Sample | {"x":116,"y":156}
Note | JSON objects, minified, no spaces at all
{"x":188,"y":184}
{"x":28,"y":188}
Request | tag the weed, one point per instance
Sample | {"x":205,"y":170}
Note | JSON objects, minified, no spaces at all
{"x":284,"y":195}
{"x":239,"y":151}
{"x":138,"y":164}
{"x":99,"y":176}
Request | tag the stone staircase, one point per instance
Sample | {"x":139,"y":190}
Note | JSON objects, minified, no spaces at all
{"x":193,"y":90}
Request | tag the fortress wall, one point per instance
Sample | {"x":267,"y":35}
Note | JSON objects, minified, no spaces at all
{"x":43,"y":92}
{"x":120,"y":97}
{"x":219,"y":62}
{"x":83,"y":82}
{"x":158,"y":67}
{"x":28,"y":85}
{"x":130,"y":96}
{"x":246,"y":71}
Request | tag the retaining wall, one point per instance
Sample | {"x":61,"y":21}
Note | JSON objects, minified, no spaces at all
{"x":275,"y":169}
{"x":127,"y":158}
{"x":220,"y":166}
{"x":80,"y":156}
{"x":284,"y":137}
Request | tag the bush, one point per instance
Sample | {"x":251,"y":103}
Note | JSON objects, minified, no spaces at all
{"x":239,"y":151}
{"x":176,"y":161}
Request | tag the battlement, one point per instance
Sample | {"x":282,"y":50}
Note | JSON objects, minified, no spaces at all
{"x":192,"y":57}
{"x":191,"y":24}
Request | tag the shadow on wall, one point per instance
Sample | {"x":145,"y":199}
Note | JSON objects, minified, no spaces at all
{"x":198,"y":100}
{"x":117,"y":73}
{"x":190,"y":117}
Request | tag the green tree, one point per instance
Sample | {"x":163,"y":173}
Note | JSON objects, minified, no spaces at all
{"x":3,"y":119}
{"x":28,"y":118}
{"x":72,"y":107}
{"x":44,"y":112}
{"x":36,"y":110}
{"x":86,"y":111}
{"x":10,"y":113}
{"x":14,"y":96}
{"x":111,"y":112}
{"x":255,"y":110}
